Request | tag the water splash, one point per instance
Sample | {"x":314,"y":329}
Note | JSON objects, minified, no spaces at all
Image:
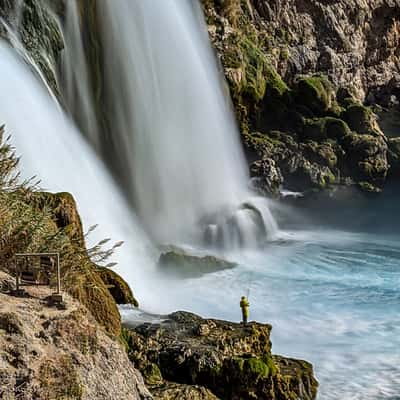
{"x":174,"y":143}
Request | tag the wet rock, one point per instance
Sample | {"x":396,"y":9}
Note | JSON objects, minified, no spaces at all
{"x":175,"y":391}
{"x":179,"y":262}
{"x":230,"y":360}
{"x":394,"y":155}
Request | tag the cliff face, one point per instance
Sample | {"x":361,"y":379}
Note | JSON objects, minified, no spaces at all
{"x":299,"y":73}
{"x":354,"y":42}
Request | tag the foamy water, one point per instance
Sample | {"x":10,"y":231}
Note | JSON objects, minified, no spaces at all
{"x":332,"y":297}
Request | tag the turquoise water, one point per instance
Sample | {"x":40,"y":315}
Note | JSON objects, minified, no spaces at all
{"x":332,"y":296}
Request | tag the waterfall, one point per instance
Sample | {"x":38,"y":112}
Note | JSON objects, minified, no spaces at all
{"x":55,"y":151}
{"x":171,"y":138}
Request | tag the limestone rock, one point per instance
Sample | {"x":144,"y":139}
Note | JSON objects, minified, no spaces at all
{"x":231,"y":360}
{"x":61,"y":354}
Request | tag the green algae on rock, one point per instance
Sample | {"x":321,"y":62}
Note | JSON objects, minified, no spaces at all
{"x":119,"y":289}
{"x":230,"y":360}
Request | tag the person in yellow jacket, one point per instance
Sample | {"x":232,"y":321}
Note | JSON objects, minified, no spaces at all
{"x":244,"y":305}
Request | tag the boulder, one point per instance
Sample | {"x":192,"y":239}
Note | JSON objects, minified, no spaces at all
{"x":316,"y":93}
{"x":361,"y":119}
{"x":179,"y":262}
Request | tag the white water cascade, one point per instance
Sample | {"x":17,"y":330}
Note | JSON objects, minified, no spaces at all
{"x":55,"y":151}
{"x":173,"y":134}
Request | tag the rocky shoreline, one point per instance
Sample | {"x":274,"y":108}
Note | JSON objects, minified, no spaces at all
{"x":52,"y":354}
{"x":189,"y":357}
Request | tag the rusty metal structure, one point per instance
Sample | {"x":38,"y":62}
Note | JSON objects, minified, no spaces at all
{"x":39,"y":273}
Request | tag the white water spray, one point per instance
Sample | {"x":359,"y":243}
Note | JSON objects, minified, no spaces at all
{"x":54,"y":150}
{"x":173,"y":134}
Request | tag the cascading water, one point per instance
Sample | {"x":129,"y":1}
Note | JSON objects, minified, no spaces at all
{"x":55,"y":151}
{"x":174,"y":141}
{"x":75,"y":77}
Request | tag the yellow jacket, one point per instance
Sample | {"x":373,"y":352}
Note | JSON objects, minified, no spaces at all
{"x":244,"y":305}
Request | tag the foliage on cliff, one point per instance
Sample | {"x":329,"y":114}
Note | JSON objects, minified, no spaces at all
{"x":304,"y":125}
{"x":33,"y":221}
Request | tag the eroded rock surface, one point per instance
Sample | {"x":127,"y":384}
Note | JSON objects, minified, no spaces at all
{"x":299,"y":75}
{"x":49,"y":354}
{"x":230,"y":360}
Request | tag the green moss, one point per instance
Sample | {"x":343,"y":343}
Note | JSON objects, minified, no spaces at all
{"x":89,"y":289}
{"x":254,"y":368}
{"x":327,"y":180}
{"x":275,"y":84}
{"x":316,"y":93}
{"x":361,"y":119}
{"x":118,"y":288}
{"x":152,"y":374}
{"x":320,"y":129}
{"x":257,"y":367}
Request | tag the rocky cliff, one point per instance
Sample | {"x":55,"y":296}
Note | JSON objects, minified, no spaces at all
{"x":299,"y":75}
{"x":52,"y":354}
{"x":188,"y":357}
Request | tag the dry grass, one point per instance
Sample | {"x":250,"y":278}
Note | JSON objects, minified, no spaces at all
{"x":33,"y":221}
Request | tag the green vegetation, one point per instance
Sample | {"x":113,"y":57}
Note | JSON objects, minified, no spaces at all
{"x":119,"y":289}
{"x":324,"y":128}
{"x":361,"y":119}
{"x":317,"y":94}
{"x":31,"y":221}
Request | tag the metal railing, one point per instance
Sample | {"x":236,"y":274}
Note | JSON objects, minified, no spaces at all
{"x":18,"y":270}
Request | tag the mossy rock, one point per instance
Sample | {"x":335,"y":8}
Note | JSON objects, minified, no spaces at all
{"x":252,"y":368}
{"x":336,"y":128}
{"x":152,"y":374}
{"x":314,"y":129}
{"x":185,"y":265}
{"x":361,"y":119}
{"x":316,"y":93}
{"x":320,"y":129}
{"x":89,"y":289}
{"x":119,"y":289}
{"x":346,"y":96}
{"x":64,"y":213}
{"x":325,"y":153}
{"x":394,"y":155}
{"x":275,"y":86}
